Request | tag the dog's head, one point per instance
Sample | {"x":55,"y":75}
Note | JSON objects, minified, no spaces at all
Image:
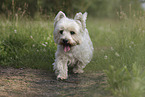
{"x":69,"y":32}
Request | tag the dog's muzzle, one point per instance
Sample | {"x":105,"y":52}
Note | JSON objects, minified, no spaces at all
{"x":65,"y":41}
{"x":66,"y":45}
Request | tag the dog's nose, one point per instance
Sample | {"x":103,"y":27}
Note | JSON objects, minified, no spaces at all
{"x":65,"y":40}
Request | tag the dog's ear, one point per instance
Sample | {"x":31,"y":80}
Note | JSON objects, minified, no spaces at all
{"x":82,"y":18}
{"x":59,"y":16}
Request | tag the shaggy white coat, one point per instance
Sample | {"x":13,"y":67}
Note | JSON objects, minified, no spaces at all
{"x":79,"y":54}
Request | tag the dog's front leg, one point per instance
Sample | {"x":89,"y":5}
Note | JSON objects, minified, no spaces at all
{"x":61,"y":68}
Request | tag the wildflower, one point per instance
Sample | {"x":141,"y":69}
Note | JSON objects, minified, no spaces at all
{"x":105,"y":57}
{"x":37,"y":50}
{"x":112,"y":49}
{"x":33,"y":45}
{"x":44,"y":44}
{"x":15,"y":31}
{"x":116,"y":54}
{"x":132,"y":42}
{"x":31,"y":37}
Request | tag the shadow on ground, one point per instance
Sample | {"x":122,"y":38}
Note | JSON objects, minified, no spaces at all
{"x":41,"y":83}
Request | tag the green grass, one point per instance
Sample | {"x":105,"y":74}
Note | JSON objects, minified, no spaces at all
{"x":118,"y":50}
{"x":27,"y":44}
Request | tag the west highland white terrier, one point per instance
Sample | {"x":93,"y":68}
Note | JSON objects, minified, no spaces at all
{"x":74,"y":46}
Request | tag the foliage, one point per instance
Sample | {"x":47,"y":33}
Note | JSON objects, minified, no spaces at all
{"x":13,"y":7}
{"x":99,"y":8}
{"x":28,"y":44}
{"x":120,"y":53}
{"x":127,"y":82}
{"x":109,"y":8}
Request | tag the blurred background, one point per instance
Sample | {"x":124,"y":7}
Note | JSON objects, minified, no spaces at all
{"x":47,"y":8}
{"x":116,"y":28}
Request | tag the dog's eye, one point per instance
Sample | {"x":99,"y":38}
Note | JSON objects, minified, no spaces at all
{"x":61,"y":31}
{"x":72,"y":32}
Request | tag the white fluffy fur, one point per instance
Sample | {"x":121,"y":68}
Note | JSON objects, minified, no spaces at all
{"x":81,"y":51}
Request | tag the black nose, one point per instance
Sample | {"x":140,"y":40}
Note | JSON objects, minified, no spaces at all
{"x":65,"y":41}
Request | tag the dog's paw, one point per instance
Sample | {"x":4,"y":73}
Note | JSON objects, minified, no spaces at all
{"x":78,"y":70}
{"x":59,"y":77}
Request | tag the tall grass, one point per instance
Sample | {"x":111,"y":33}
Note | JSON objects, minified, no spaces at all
{"x":119,"y":52}
{"x":118,"y":49}
{"x":26,"y":44}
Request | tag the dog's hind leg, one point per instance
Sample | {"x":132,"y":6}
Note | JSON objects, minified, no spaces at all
{"x":79,"y":67}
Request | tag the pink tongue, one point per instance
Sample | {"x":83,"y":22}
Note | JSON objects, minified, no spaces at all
{"x":66,"y":48}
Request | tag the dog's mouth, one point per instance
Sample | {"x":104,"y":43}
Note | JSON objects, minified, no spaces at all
{"x":66,"y":47}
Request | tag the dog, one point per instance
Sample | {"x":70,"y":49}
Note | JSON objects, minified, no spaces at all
{"x":74,"y":46}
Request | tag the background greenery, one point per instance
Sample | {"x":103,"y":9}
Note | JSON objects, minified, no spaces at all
{"x":116,"y":27}
{"x":99,"y":8}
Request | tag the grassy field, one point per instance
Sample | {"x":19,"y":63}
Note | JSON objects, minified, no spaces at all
{"x":27,"y":44}
{"x":119,"y":49}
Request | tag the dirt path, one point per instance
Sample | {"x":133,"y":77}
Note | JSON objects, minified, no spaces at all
{"x":41,"y":83}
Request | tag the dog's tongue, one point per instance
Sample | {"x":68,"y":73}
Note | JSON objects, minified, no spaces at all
{"x":66,"y":48}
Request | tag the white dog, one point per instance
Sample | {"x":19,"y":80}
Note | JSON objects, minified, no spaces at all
{"x":74,"y":46}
